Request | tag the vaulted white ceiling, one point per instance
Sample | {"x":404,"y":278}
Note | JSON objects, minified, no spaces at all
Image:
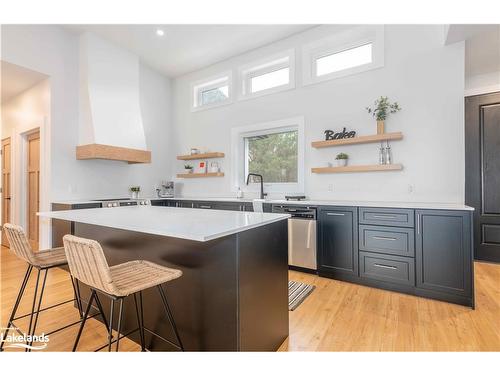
{"x":186,"y":48}
{"x":16,"y":79}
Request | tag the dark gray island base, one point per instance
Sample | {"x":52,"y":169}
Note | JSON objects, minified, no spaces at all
{"x":233,"y":295}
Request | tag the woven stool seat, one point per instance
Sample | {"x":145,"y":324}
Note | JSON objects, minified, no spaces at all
{"x":137,"y":275}
{"x":50,"y":258}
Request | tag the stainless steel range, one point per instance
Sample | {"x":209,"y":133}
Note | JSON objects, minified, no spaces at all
{"x":109,"y":203}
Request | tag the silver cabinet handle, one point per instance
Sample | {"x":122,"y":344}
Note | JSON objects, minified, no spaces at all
{"x":334,"y":214}
{"x":418,"y":223}
{"x":202,"y":206}
{"x":385,"y":216}
{"x":384,"y":238}
{"x":384,"y":266}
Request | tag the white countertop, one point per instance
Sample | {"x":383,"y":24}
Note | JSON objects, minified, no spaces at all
{"x":313,"y":202}
{"x":186,"y":223}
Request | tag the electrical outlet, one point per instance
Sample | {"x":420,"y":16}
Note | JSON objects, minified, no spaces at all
{"x":330,"y":187}
{"x":411,"y":188}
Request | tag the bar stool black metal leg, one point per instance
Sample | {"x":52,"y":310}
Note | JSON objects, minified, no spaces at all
{"x":77,"y":297}
{"x":170,"y":316}
{"x":84,"y":319}
{"x":120,"y":317}
{"x":140,"y":323}
{"x":32,"y":333}
{"x":34,"y":302}
{"x":110,"y":330}
{"x":16,"y":304}
{"x":101,"y":310}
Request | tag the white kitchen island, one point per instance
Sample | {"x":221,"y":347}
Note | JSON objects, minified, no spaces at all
{"x":233,"y":294}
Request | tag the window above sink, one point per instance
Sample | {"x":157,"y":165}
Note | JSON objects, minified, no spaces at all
{"x":273,"y":149}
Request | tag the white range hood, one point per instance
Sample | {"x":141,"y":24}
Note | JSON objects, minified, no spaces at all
{"x":110,"y":124}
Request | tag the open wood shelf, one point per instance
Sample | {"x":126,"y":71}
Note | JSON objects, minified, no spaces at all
{"x":356,"y":140}
{"x":207,"y":155}
{"x":359,"y":168}
{"x":200,"y":175}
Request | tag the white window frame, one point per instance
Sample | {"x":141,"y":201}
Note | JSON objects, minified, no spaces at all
{"x":348,"y":39}
{"x":207,"y":84}
{"x":285,"y":59}
{"x":238,"y":136}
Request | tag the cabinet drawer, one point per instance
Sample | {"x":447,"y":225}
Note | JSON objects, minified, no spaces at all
{"x":387,"y":268}
{"x":387,"y":240}
{"x":387,"y":216}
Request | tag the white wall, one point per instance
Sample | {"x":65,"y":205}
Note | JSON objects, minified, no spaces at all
{"x":26,"y":109}
{"x":424,"y":76}
{"x":482,"y":62}
{"x":55,"y":52}
{"x":482,"y":83}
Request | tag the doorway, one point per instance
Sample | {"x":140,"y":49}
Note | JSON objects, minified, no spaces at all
{"x":482,"y":172}
{"x":33,"y":186}
{"x":25,"y":129}
{"x":6,"y":184}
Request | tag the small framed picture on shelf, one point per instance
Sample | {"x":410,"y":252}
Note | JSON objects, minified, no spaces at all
{"x":201,"y":167}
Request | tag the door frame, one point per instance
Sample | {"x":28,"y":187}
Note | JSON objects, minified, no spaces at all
{"x":19,"y":194}
{"x":25,"y":181}
{"x":5,"y":140}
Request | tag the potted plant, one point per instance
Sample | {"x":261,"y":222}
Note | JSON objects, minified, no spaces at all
{"x":382,"y":110}
{"x":342,"y":159}
{"x":135,"y":191}
{"x":188,"y":168}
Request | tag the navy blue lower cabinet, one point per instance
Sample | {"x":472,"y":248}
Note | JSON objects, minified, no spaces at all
{"x":387,"y":268}
{"x":338,"y":242}
{"x":444,"y":251}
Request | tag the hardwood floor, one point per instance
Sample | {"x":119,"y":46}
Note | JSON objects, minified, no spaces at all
{"x":337,"y":316}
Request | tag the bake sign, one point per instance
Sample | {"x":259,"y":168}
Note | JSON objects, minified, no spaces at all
{"x":330,"y":134}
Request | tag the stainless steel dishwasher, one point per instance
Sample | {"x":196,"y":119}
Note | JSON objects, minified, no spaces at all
{"x":301,"y":236}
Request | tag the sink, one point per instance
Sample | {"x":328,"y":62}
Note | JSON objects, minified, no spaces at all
{"x":258,"y":205}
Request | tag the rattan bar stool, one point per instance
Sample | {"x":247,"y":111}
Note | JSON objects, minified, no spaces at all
{"x":88,"y":264}
{"x":42,"y":261}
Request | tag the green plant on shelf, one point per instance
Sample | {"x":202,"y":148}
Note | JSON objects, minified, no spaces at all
{"x":342,"y":156}
{"x":188,"y":166}
{"x":383,"y":108}
{"x":135,"y":189}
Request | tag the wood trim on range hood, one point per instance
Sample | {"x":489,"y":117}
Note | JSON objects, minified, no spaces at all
{"x":96,"y":151}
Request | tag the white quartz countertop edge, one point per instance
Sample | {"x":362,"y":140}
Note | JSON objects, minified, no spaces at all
{"x":114,"y":218}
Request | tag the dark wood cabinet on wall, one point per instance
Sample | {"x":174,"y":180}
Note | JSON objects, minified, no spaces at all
{"x":338,"y":242}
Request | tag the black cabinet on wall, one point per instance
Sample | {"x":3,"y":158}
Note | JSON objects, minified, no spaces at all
{"x":444,"y":267}
{"x":338,"y":242}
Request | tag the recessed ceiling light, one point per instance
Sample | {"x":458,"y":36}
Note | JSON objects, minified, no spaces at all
{"x":160,"y":32}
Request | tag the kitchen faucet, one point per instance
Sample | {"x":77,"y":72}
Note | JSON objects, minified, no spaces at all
{"x":262,"y":195}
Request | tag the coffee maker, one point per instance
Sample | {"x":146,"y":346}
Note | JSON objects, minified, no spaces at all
{"x":166,"y":189}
